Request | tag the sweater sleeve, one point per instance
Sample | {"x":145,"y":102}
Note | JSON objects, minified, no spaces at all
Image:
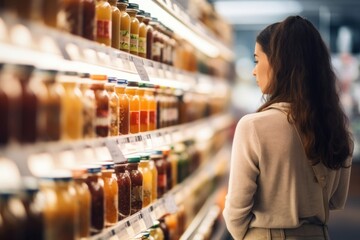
{"x":242,"y":180}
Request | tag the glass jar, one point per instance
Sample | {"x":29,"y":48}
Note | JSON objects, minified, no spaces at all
{"x":183,"y":161}
{"x":142,"y":34}
{"x":61,"y":209}
{"x":49,"y":12}
{"x":144,"y":108}
{"x":156,"y":232}
{"x":164,"y":228}
{"x":171,"y":222}
{"x":160,"y":107}
{"x":149,"y":35}
{"x":69,"y":16}
{"x":115,"y":25}
{"x":149,"y":94}
{"x":111,"y":193}
{"x":96,"y":188}
{"x":144,"y":168}
{"x":136,"y":183}
{"x":173,"y":160}
{"x":113,"y":106}
{"x":157,"y":41}
{"x":124,"y":190}
{"x":125,"y":24}
{"x":83,"y":201}
{"x":89,"y":106}
{"x":88,"y":19}
{"x":161,"y":167}
{"x":124,"y":112}
{"x":134,"y":103}
{"x":49,"y":118}
{"x":102,"y":117}
{"x":132,"y":10}
{"x":154,"y":174}
{"x":165,"y":153}
{"x":10,"y":98}
{"x":103,"y":22}
{"x":71,"y":106}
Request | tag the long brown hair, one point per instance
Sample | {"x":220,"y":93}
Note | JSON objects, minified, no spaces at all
{"x":303,"y":76}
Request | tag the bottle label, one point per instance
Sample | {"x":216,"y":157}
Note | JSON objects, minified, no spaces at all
{"x":142,"y":45}
{"x":102,"y":121}
{"x":136,"y":198}
{"x":135,"y":118}
{"x":152,"y":117}
{"x":162,"y":181}
{"x":156,"y":49}
{"x":124,"y":40}
{"x":134,"y":41}
{"x":144,"y":120}
{"x":103,"y":29}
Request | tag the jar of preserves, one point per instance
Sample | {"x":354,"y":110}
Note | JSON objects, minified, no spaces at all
{"x":71,"y":106}
{"x":149,"y":35}
{"x":125,"y":24}
{"x":154,"y":175}
{"x":96,"y":188}
{"x":157,"y":41}
{"x":115,"y":25}
{"x":111,"y":193}
{"x":113,"y":106}
{"x":124,"y":190}
{"x":69,"y":16}
{"x":134,"y":106}
{"x":144,"y":168}
{"x":144,"y":108}
{"x":102,"y":116}
{"x":89,"y":106}
{"x":103,"y":22}
{"x":124,"y":104}
{"x":142,"y":34}
{"x":88,"y":19}
{"x":49,"y":118}
{"x":149,"y":94}
{"x":161,"y":167}
{"x":83,"y":201}
{"x":60,"y":211}
{"x":132,"y":10}
{"x":136,"y":183}
{"x":165,"y":153}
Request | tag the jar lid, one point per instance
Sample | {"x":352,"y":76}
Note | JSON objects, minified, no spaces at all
{"x":30,"y":184}
{"x":147,"y":14}
{"x":134,"y":6}
{"x":133,"y":84}
{"x":133,"y":158}
{"x":121,"y":81}
{"x":106,"y":165}
{"x":145,"y":156}
{"x":93,"y":168}
{"x":123,"y":1}
{"x":58,"y":175}
{"x":70,"y":73}
{"x":112,"y":80}
{"x":156,"y":224}
{"x":98,"y":77}
{"x":141,"y":13}
{"x":149,"y":85}
{"x":84,"y":75}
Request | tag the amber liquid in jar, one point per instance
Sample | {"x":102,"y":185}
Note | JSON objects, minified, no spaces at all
{"x":124,"y":190}
{"x":69,"y":17}
{"x":115,"y":25}
{"x":142,"y":35}
{"x":154,"y":174}
{"x":103,"y":22}
{"x":111,"y":197}
{"x":84,"y":205}
{"x":144,"y":168}
{"x":88,"y":19}
{"x":125,"y":24}
{"x":149,"y":35}
{"x":113,"y":108}
{"x":134,"y":31}
{"x":149,"y":94}
{"x":134,"y":112}
{"x":144,"y":109}
{"x":124,"y":118}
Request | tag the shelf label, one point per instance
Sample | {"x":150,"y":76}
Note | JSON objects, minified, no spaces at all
{"x":170,"y":204}
{"x":116,"y":154}
{"x":147,"y":218}
{"x":139,"y":65}
{"x":130,"y":231}
{"x":102,"y":154}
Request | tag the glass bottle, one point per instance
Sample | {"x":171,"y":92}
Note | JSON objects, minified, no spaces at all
{"x":88,"y":19}
{"x":134,"y":103}
{"x":161,"y":167}
{"x":144,"y":108}
{"x":173,"y":160}
{"x":169,"y":179}
{"x":154,"y":174}
{"x":83,"y":201}
{"x":124,"y":190}
{"x":136,"y":183}
{"x":96,"y":188}
{"x":132,"y":10}
{"x":149,"y":35}
{"x":115,"y":25}
{"x":103,"y":22}
{"x":125,"y":24}
{"x":124,"y":112}
{"x":71,"y":106}
{"x":61,"y":209}
{"x":113,"y":106}
{"x":102,"y":117}
{"x":111,"y":193}
{"x":149,"y":93}
{"x":50,"y":10}
{"x":157,"y":45}
{"x":69,"y":16}
{"x":142,"y":50}
{"x":144,"y":168}
{"x":89,"y":106}
{"x":49,"y":119}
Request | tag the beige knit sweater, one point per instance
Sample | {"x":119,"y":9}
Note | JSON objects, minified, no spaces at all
{"x":271,"y":183}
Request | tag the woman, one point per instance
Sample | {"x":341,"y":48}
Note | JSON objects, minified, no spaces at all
{"x":291,"y":159}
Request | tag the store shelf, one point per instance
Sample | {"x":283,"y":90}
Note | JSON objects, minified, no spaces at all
{"x":144,"y":219}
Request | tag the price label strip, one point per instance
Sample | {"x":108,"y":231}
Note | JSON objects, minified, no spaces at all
{"x":116,"y":154}
{"x":147,"y":218}
{"x":170,"y":204}
{"x":140,"y":68}
{"x":129,"y":229}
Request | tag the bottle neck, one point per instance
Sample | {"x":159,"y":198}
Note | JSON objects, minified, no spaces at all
{"x":122,"y":7}
{"x":132,"y":13}
{"x":120,"y":90}
{"x":133,"y":166}
{"x":130,"y":91}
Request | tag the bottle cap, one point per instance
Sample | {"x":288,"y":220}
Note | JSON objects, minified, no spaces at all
{"x":133,"y":158}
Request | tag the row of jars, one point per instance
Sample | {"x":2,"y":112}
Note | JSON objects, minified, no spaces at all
{"x":119,"y":24}
{"x":46,"y":105}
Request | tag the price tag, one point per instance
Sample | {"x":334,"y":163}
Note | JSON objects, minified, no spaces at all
{"x":141,"y":221}
{"x":125,"y":61}
{"x":122,"y":231}
{"x":167,"y":138}
{"x":116,"y":155}
{"x":152,"y":213}
{"x":130,"y":231}
{"x":147,"y":218}
{"x":102,"y":154}
{"x":139,"y":65}
{"x":170,"y":204}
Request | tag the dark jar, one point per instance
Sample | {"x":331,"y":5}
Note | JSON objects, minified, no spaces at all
{"x":124,"y":190}
{"x":136,"y":183}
